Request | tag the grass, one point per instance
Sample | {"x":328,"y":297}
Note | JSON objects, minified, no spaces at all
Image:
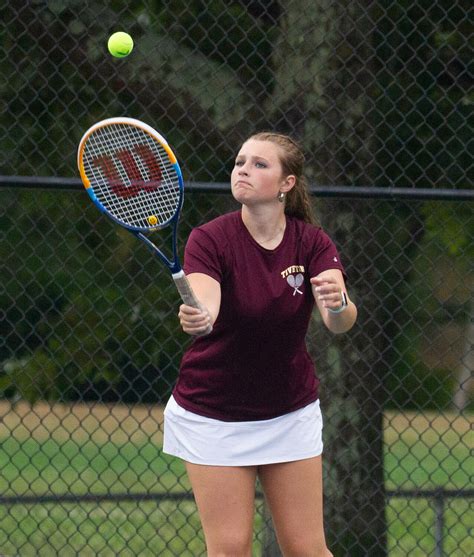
{"x":428,"y":451}
{"x":164,"y":527}
{"x":106,"y":529}
{"x":62,"y":451}
{"x":31,"y":466}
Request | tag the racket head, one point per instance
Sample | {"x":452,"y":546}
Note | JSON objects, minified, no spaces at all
{"x":131,"y":173}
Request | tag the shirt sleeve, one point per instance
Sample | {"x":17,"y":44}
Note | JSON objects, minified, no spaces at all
{"x":324,"y":255}
{"x":201,"y":255}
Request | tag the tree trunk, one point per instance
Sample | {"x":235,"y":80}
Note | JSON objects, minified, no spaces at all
{"x":323,"y":80}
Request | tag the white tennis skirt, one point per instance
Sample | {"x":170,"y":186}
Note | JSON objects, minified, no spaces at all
{"x":200,"y":440}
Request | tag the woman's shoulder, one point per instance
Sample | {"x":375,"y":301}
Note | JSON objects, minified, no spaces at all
{"x":227,"y":221}
{"x":219,"y":231}
{"x":222,"y":227}
{"x":306,"y":231}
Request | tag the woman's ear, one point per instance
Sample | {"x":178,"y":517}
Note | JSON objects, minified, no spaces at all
{"x":288,"y":183}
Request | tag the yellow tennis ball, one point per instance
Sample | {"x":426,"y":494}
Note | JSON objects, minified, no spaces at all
{"x":152,"y":220}
{"x":120,"y":44}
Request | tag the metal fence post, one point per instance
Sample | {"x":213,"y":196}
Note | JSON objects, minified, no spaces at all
{"x":438,"y":500}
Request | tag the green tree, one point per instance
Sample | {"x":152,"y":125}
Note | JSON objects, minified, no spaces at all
{"x":59,"y":80}
{"x":423,"y":116}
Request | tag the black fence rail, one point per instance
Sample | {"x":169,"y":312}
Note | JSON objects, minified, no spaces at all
{"x":358,"y":192}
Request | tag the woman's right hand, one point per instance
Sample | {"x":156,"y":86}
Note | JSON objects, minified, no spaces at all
{"x":194,"y":321}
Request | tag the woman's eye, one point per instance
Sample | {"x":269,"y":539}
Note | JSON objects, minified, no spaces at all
{"x":239,"y":163}
{"x":260,"y":165}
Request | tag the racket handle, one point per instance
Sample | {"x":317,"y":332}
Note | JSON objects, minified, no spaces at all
{"x":187,"y":294}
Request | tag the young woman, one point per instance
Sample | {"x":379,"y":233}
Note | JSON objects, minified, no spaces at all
{"x":246,"y":405}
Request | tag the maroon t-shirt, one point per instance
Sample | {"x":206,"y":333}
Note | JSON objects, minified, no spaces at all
{"x":254,"y":365}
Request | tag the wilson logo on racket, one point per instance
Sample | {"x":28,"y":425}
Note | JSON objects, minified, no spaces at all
{"x":127,"y":160}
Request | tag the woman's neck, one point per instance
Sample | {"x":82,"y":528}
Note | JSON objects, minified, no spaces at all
{"x":266,"y":227}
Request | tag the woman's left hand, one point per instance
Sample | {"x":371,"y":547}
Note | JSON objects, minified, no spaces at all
{"x":328,"y":291}
{"x":328,"y":287}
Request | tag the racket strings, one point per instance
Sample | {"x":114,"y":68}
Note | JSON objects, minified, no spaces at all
{"x":132,"y":175}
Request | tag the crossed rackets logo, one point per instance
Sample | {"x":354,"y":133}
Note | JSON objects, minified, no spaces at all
{"x":107,"y":164}
{"x":295,"y":281}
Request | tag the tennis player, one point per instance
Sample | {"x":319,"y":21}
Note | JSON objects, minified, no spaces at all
{"x":246,"y":405}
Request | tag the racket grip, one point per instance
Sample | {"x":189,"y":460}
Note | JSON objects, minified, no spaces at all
{"x":187,"y":294}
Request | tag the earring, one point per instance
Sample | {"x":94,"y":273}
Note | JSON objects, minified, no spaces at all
{"x":281,"y":196}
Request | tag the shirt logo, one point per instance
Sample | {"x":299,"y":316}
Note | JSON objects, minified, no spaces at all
{"x":292,"y":269}
{"x":294,"y":277}
{"x":295,"y":281}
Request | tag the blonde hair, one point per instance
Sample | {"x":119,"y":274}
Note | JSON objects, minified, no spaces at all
{"x":292,"y":159}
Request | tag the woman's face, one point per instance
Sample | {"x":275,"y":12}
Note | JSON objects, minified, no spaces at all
{"x":257,"y":174}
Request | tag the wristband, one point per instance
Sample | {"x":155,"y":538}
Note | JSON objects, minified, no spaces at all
{"x":344,"y":304}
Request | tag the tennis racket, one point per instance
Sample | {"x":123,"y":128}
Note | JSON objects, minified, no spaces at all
{"x":132,"y":175}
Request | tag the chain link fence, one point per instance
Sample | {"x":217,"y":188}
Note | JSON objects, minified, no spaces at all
{"x":380,"y":96}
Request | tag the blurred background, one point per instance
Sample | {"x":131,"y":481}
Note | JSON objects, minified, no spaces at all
{"x":380,"y":95}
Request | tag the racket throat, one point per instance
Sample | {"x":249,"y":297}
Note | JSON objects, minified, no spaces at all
{"x":173,"y":265}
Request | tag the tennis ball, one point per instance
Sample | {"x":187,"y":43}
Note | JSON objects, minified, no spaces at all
{"x":152,"y":220}
{"x":120,"y":44}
